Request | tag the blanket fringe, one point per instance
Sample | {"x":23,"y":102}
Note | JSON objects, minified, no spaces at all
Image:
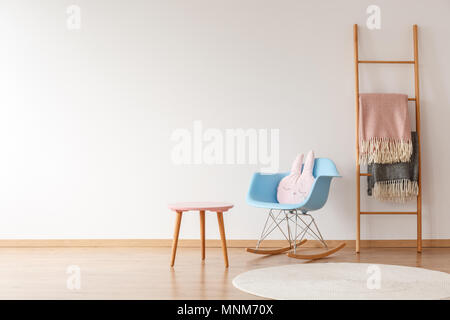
{"x":385,"y":150}
{"x":396,"y":190}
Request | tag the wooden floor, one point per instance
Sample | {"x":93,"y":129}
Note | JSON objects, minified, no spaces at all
{"x":144,"y":273}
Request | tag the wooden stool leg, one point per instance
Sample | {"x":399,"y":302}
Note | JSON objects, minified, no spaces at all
{"x":175,"y":237}
{"x":222,"y":237}
{"x":202,"y":232}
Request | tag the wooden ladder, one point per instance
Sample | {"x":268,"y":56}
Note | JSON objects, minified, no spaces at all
{"x":416,"y":99}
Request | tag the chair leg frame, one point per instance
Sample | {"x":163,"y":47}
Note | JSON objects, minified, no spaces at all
{"x":295,"y":235}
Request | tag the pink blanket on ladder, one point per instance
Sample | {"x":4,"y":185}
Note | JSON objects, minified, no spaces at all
{"x":384,"y":128}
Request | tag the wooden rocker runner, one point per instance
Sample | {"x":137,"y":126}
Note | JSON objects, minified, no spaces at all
{"x":293,"y":220}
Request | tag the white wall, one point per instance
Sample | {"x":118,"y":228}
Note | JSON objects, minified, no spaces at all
{"x":86,"y":116}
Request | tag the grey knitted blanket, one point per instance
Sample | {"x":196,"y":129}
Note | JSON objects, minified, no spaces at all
{"x":396,"y":181}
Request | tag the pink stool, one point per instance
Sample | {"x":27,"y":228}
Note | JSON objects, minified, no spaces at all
{"x":218,"y":207}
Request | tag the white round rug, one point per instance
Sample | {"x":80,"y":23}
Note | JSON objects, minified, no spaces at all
{"x":355,"y":281}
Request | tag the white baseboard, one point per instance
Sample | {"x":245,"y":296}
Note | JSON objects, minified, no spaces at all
{"x":213,"y":243}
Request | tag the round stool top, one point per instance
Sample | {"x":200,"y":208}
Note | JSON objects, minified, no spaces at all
{"x":200,"y":206}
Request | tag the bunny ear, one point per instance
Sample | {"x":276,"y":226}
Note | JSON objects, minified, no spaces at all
{"x":309,"y":163}
{"x":297,"y":164}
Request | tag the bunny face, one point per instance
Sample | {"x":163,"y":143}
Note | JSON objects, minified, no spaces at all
{"x":295,"y":187}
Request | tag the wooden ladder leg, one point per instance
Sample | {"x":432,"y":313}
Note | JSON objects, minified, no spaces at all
{"x":358,"y":233}
{"x":222,"y":237}
{"x":202,"y":232}
{"x":175,"y":237}
{"x":417,"y":101}
{"x":358,"y":169}
{"x":419,"y":229}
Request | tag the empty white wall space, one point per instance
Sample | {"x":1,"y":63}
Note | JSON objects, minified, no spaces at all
{"x":95,"y":93}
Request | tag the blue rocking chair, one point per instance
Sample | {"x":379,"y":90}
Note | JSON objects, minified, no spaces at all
{"x":263,"y":194}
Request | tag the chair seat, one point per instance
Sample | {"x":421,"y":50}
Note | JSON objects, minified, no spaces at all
{"x":276,"y":206}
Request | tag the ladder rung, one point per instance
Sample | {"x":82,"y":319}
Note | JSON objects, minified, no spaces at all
{"x":388,"y":212}
{"x":409,"y":99}
{"x":365,"y":174}
{"x":386,"y":61}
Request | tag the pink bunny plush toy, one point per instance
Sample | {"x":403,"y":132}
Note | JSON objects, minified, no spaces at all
{"x":295,"y":187}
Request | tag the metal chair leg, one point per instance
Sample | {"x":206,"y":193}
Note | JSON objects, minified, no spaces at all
{"x":270,"y":226}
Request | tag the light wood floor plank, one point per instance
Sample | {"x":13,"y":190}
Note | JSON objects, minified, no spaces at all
{"x":144,"y":273}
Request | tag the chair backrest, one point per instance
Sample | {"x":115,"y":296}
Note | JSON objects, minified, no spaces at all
{"x":264,"y":186}
{"x":325,"y":167}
